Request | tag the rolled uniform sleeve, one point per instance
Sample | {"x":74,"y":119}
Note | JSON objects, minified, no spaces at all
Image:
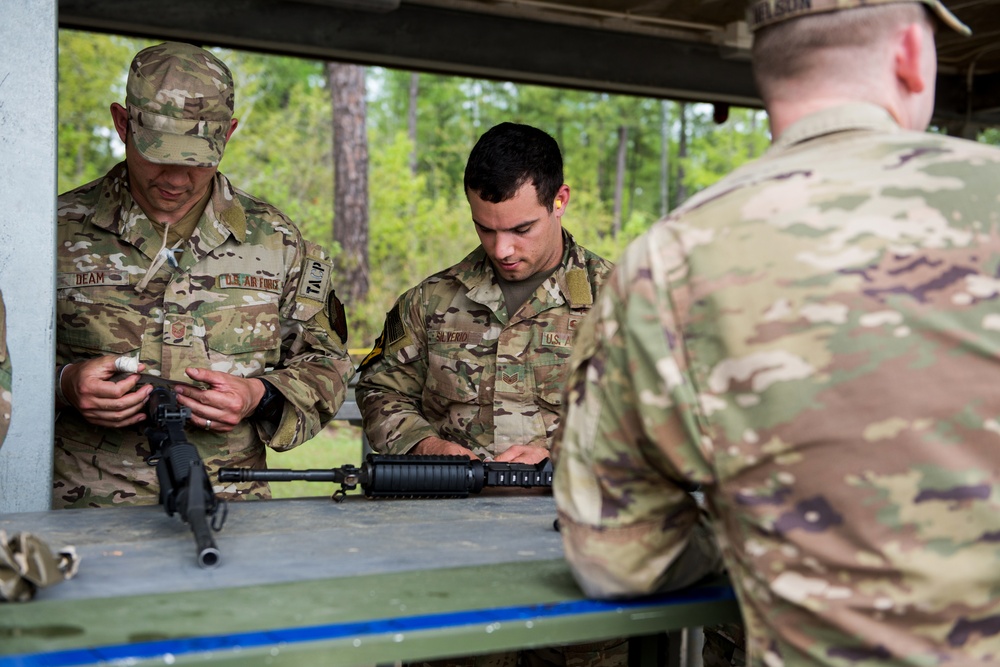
{"x":393,"y":375}
{"x":315,"y":366}
{"x":627,"y":454}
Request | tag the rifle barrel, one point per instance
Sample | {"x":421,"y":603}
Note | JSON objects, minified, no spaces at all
{"x":276,"y":475}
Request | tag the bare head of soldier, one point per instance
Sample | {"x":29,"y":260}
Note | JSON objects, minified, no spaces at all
{"x":514,"y":183}
{"x":812,"y":55}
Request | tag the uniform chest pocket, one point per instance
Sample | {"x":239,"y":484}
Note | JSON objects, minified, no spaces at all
{"x":455,"y":372}
{"x":89,"y":322}
{"x":550,"y":381}
{"x":248,"y":336}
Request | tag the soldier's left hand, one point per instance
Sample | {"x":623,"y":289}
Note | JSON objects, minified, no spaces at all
{"x":523,"y":454}
{"x":227,"y":401}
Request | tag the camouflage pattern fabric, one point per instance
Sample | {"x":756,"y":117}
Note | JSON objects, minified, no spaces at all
{"x":451,"y":362}
{"x":27,"y":564}
{"x":815,"y":341}
{"x":248,"y":297}
{"x":180,"y":102}
{"x":5,"y":376}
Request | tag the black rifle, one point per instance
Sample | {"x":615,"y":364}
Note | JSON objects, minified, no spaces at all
{"x":416,"y":476}
{"x":184,"y":486}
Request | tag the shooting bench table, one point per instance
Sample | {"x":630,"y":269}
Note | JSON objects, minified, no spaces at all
{"x":311,"y":582}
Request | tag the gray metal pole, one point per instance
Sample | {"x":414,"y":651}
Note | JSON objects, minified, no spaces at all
{"x":28,"y":112}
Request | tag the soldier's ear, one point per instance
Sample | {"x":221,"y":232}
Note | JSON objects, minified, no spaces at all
{"x":911,"y":51}
{"x":119,"y":116}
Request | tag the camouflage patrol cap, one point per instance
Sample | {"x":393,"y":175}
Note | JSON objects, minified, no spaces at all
{"x":180,"y":104}
{"x":767,"y":12}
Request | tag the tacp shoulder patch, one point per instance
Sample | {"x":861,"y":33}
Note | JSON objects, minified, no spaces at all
{"x":314,"y":284}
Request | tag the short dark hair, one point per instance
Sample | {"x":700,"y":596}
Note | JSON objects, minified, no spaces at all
{"x":509,"y":155}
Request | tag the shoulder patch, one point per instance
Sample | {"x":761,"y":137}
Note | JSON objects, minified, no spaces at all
{"x":395,"y":332}
{"x":392,"y":338}
{"x":375,"y":354}
{"x":338,"y":318}
{"x":315,"y":281}
{"x":579,"y":288}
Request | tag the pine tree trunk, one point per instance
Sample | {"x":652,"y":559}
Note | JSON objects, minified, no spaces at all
{"x":682,"y":152}
{"x":665,"y":158}
{"x":616,"y":226}
{"x":350,"y":164}
{"x":412,"y":118}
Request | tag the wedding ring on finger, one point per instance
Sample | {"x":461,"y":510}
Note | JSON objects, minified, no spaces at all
{"x":208,"y":424}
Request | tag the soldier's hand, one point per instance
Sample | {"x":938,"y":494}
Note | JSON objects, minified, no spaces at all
{"x":441,"y":447}
{"x":227,"y":401}
{"x":523,"y":454}
{"x":88,"y":387}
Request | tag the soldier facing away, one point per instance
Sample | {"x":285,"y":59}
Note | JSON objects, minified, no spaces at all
{"x":814,"y":341}
{"x":167,"y":264}
{"x":472,"y":361}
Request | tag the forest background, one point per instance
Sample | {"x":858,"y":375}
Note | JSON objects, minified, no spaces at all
{"x":628,"y":160}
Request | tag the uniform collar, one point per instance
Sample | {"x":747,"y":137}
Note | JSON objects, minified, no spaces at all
{"x":118,"y":213}
{"x":843,"y":118}
{"x":476,"y":273}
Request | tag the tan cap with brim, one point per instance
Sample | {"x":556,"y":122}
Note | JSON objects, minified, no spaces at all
{"x":763,"y":13}
{"x":180,"y":104}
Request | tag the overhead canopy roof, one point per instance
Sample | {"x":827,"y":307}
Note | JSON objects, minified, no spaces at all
{"x":694,"y":50}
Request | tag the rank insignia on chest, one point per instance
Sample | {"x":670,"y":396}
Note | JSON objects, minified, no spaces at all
{"x":177,"y":330}
{"x":512,"y":377}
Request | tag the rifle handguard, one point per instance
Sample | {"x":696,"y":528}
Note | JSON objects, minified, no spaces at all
{"x":409,"y":476}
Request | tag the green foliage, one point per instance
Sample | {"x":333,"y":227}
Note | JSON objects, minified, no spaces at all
{"x":418,"y":223}
{"x":92,"y":75}
{"x":990,"y":136}
{"x":718,"y":149}
{"x":337,"y":445}
{"x":413,"y":234}
{"x":282,"y":151}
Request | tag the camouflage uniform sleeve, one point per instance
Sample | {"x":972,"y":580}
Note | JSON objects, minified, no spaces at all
{"x":629,"y":522}
{"x":391,"y":384}
{"x":315,"y":367}
{"x":5,"y":376}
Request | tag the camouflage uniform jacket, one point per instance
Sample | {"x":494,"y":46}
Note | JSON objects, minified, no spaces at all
{"x":816,"y":341}
{"x":249,"y":297}
{"x":5,"y":376}
{"x":451,"y":362}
